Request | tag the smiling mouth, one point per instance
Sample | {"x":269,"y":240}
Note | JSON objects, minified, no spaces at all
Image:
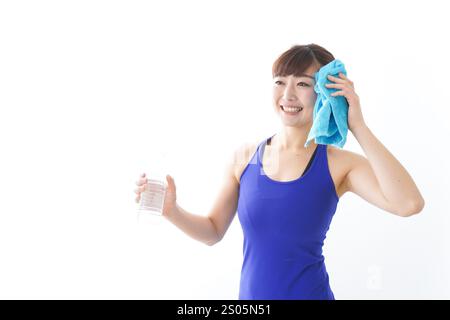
{"x":291,"y":110}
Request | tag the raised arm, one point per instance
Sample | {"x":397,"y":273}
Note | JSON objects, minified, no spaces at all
{"x":381,"y":179}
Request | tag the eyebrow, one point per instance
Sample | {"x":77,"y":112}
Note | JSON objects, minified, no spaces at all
{"x":307,"y":75}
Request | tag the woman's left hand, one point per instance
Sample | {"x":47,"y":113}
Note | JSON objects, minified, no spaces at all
{"x":355,"y":117}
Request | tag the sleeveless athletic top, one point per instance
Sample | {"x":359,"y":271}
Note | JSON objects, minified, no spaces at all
{"x":284,"y":225}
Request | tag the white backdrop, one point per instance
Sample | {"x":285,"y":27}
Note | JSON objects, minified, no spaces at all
{"x":92,"y":92}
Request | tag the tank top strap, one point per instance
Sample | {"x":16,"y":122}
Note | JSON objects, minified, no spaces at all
{"x":260,"y":149}
{"x":322,"y":155}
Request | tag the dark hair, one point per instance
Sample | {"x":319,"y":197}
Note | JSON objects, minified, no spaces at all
{"x":299,"y":58}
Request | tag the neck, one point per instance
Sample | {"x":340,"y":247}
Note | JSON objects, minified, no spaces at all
{"x":292,"y":139}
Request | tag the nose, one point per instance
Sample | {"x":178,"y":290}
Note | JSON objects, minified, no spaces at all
{"x":289,"y":93}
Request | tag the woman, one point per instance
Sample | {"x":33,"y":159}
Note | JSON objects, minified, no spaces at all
{"x":286,"y":194}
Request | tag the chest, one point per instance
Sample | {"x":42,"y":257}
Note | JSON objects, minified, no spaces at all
{"x":289,"y":166}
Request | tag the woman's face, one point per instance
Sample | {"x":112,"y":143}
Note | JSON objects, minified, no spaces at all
{"x":298,"y":93}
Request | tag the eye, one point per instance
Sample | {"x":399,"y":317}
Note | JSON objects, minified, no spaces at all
{"x":304,"y":84}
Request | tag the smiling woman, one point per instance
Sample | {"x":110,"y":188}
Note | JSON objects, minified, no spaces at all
{"x":293,"y":75}
{"x":286,"y":194}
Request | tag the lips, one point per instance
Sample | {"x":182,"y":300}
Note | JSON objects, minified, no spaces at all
{"x":290,"y":108}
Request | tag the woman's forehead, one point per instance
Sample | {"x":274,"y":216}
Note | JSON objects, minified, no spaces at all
{"x":303,"y":75}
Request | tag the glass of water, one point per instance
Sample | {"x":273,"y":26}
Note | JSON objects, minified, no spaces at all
{"x":151,"y":204}
{"x":152,"y":199}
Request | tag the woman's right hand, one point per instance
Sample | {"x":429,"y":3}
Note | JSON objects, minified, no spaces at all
{"x":170,"y":198}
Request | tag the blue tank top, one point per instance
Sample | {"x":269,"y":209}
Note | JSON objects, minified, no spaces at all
{"x":284,"y":225}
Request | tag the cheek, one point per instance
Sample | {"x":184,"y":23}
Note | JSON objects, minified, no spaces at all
{"x":276,"y":99}
{"x":276,"y":95}
{"x":311,"y":99}
{"x":312,"y":95}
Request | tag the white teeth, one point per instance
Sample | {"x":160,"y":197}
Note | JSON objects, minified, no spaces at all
{"x":291,"y":109}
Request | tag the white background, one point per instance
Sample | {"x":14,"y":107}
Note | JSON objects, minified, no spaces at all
{"x":93,"y":92}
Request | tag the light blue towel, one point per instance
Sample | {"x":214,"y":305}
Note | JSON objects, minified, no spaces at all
{"x":330,"y":112}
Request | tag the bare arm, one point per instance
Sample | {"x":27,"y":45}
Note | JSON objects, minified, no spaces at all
{"x":381,"y":179}
{"x":197,"y":227}
{"x":212,"y":228}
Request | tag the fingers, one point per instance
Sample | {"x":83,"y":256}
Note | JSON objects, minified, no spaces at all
{"x":142,"y":180}
{"x":142,"y":187}
{"x":170,"y":181}
{"x":138,"y":192}
{"x":335,"y":79}
{"x":142,"y":184}
{"x":171,"y":187}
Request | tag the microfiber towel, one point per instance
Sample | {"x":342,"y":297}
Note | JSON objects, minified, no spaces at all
{"x":330,"y":112}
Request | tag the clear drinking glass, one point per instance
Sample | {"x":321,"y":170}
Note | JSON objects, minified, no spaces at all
{"x":151,"y":204}
{"x":152,"y":199}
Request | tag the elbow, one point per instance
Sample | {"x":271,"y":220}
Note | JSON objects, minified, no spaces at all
{"x":414,"y":208}
{"x":216,"y":237}
{"x":212,"y":242}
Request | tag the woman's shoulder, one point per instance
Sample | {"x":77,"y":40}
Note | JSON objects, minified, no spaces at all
{"x":246,"y":150}
{"x":242,"y":156}
{"x":343,"y":160}
{"x":342,"y":155}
